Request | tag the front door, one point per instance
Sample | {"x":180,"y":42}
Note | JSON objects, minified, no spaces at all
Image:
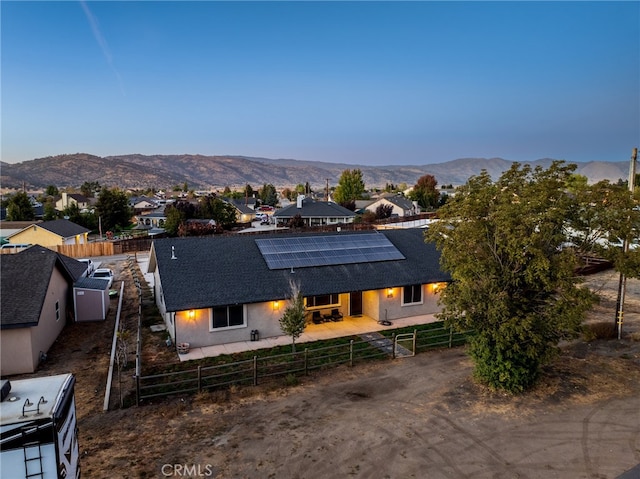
{"x":355,"y":303}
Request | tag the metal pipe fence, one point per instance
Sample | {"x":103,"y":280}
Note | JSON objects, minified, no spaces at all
{"x":261,"y":369}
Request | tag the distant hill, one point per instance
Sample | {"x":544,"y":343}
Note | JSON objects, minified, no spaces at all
{"x":215,"y":172}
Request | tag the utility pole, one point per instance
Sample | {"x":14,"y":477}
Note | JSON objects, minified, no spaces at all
{"x":327,"y":197}
{"x":622,"y":285}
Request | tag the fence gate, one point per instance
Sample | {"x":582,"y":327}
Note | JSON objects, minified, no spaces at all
{"x":404,"y":345}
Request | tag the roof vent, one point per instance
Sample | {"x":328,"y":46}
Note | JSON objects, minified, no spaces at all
{"x":173,"y":253}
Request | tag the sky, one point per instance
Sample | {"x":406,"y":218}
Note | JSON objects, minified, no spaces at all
{"x":363,"y":83}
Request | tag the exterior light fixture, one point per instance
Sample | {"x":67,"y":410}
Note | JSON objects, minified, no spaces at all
{"x":276,"y":305}
{"x":191,"y":314}
{"x":389,"y":292}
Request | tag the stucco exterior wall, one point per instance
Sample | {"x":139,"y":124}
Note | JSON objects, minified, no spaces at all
{"x":15,"y":352}
{"x":21,"y":347}
{"x":36,"y":235}
{"x":196,"y":329}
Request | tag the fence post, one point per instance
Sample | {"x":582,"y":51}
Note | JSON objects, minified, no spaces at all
{"x":306,"y":359}
{"x":351,"y":353}
{"x":393,"y":345}
{"x":450,"y":335}
{"x":255,"y":370}
{"x":199,"y":378}
{"x":137,"y":390}
{"x":415,"y":340}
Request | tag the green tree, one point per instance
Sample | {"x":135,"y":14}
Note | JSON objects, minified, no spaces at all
{"x":425,"y":192}
{"x":174,"y":218}
{"x":350,"y":187}
{"x":90,"y":188}
{"x":50,"y":212}
{"x":214,"y":208}
{"x":113,"y":208}
{"x":293,"y":321}
{"x":19,"y":208}
{"x":51,"y":190}
{"x":512,"y":284}
{"x":268,"y":195}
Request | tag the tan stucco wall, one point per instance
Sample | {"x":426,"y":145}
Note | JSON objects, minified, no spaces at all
{"x":21,"y":347}
{"x":15,"y":352}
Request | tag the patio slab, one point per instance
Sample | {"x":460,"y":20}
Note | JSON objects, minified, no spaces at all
{"x":350,"y":326}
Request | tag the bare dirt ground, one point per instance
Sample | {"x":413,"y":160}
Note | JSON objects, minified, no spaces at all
{"x":420,"y":417}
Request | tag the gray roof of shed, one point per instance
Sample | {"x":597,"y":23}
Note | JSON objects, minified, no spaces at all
{"x":224,"y":270}
{"x":25,"y":278}
{"x":91,"y":283}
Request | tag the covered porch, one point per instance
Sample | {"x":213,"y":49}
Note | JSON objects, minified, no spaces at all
{"x":349,"y":326}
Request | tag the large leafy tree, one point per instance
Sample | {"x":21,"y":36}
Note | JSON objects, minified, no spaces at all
{"x":113,"y":209}
{"x":350,"y":187}
{"x":19,"y":208}
{"x":211,"y":207}
{"x":512,"y":284}
{"x":425,"y":192}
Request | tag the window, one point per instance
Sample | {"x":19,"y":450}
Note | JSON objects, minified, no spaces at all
{"x":323,"y":300}
{"x":412,"y":294}
{"x":228,"y":317}
{"x":57,"y":311}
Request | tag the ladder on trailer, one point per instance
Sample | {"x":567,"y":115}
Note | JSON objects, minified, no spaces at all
{"x":32,"y":455}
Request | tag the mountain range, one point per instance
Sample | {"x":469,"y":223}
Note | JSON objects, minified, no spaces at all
{"x":215,"y":172}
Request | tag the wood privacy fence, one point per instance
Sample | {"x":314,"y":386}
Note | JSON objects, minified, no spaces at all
{"x":104,"y":248}
{"x":258,"y":370}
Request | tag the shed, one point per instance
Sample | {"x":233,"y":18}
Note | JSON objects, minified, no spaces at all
{"x":91,"y":299}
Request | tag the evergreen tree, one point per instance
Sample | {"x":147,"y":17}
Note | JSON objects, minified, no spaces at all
{"x":19,"y":208}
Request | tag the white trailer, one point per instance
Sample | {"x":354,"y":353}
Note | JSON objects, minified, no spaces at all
{"x":38,"y":428}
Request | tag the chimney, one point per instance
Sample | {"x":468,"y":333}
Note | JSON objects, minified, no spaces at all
{"x":299,"y":200}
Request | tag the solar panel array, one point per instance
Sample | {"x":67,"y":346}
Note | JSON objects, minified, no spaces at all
{"x":306,"y":251}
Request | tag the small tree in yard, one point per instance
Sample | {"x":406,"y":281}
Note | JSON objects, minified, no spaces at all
{"x":512,"y":283}
{"x":292,"y":321}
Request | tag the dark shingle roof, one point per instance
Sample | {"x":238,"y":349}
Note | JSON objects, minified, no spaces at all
{"x":24,"y":279}
{"x":63,"y":228}
{"x":314,"y":209}
{"x":216,"y":271}
{"x":91,"y":283}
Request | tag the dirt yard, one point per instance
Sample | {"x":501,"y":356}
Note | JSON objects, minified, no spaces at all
{"x":420,"y":417}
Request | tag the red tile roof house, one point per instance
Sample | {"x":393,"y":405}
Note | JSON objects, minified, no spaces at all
{"x":36,"y":296}
{"x":216,"y":290}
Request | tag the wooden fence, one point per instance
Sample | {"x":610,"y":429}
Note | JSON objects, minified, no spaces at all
{"x":257,"y":370}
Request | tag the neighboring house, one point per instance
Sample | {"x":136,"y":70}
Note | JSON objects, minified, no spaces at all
{"x":142,"y":203}
{"x":401,"y":206}
{"x":153,"y":221}
{"x":216,"y":290}
{"x":69,"y":199}
{"x":314,"y":213}
{"x":51,"y":233}
{"x":7,"y":228}
{"x":36,"y":297}
{"x":244,"y":212}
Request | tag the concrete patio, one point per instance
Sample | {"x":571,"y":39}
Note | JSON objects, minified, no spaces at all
{"x":351,"y":325}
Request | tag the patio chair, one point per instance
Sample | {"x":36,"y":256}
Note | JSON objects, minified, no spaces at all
{"x":316,"y":317}
{"x":336,"y":315}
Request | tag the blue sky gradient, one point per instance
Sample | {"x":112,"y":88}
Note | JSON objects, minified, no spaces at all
{"x":371,"y":83}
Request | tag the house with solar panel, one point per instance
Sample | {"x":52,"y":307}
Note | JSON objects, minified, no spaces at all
{"x":221,"y":289}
